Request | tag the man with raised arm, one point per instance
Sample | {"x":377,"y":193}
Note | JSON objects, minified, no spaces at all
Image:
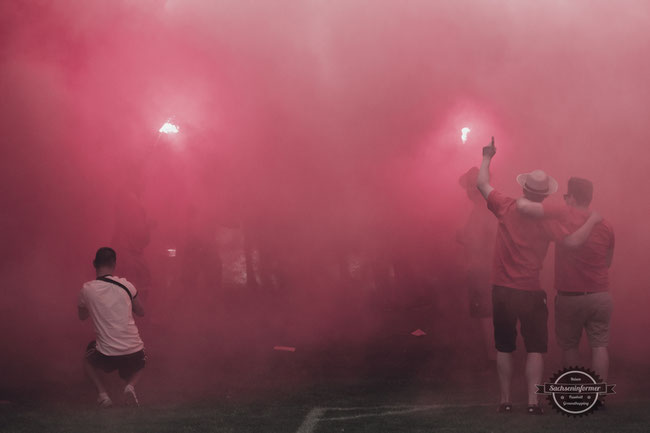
{"x":109,"y":301}
{"x":517,"y":296}
{"x":477,"y":237}
{"x":581,"y":275}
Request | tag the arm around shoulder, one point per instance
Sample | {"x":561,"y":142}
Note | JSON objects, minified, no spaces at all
{"x":579,"y":237}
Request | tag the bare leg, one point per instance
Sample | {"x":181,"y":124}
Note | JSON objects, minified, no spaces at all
{"x":93,"y":374}
{"x":130,"y":397}
{"x":534,"y":371}
{"x":571,"y":357}
{"x":600,"y":361}
{"x":488,"y":337}
{"x":133,"y":380}
{"x":504,"y":369}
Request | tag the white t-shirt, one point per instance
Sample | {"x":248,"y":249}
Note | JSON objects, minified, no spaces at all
{"x":110,"y":309}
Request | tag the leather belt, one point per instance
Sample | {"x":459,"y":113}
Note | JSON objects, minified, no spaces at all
{"x":563,"y":293}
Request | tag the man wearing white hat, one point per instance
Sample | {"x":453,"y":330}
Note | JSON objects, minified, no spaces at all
{"x":517,"y":296}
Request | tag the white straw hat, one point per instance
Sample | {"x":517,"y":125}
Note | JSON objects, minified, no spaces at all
{"x":537,"y":182}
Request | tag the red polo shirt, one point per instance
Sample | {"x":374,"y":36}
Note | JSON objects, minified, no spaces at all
{"x":582,"y":269}
{"x":520,"y":246}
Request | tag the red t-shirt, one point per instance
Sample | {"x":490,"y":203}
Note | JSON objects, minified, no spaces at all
{"x":582,"y":269}
{"x":521,"y":245}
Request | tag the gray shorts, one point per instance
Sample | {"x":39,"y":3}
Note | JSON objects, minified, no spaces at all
{"x":591,"y":312}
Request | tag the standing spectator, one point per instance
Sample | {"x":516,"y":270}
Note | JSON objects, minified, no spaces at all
{"x":477,"y":238}
{"x":583,"y":300}
{"x":517,"y":296}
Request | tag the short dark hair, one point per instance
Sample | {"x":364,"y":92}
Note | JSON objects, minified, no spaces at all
{"x":105,"y":256}
{"x":581,"y":189}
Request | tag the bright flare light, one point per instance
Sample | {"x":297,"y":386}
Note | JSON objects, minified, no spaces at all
{"x":168,"y":128}
{"x":463,"y":133}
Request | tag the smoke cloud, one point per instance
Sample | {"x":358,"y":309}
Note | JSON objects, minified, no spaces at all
{"x":320,"y":140}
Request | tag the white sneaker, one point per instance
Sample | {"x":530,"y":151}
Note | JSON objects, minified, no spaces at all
{"x":104,"y":401}
{"x":130,"y":398}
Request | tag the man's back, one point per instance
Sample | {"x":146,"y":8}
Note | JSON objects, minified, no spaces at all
{"x":110,"y":308}
{"x":520,"y":248}
{"x":585,"y":268}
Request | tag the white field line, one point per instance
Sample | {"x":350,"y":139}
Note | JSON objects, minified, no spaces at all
{"x":395,"y":406}
{"x":310,"y":421}
{"x":315,"y":415}
{"x":387,"y":413}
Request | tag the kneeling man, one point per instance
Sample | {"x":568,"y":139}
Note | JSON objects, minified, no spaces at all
{"x":109,"y":301}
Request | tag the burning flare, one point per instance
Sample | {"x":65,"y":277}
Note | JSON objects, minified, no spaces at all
{"x":463,"y":134}
{"x":168,"y":128}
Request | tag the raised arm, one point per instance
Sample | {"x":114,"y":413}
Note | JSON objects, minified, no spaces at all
{"x":483,"y":180}
{"x":577,"y":238}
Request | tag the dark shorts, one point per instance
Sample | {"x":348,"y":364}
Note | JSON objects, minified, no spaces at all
{"x":527,"y":307}
{"x":127,"y":365}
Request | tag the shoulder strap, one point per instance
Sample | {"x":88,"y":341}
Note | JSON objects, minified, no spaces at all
{"x":110,"y":280}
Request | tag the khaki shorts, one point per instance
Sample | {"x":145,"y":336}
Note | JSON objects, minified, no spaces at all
{"x":591,"y":312}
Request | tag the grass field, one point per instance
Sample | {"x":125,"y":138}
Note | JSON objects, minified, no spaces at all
{"x":393,"y":383}
{"x":398,"y":407}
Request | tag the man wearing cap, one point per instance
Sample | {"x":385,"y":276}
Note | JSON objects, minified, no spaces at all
{"x":521,"y":245}
{"x":581,"y":275}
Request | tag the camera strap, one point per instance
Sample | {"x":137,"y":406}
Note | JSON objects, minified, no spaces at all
{"x":109,"y":280}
